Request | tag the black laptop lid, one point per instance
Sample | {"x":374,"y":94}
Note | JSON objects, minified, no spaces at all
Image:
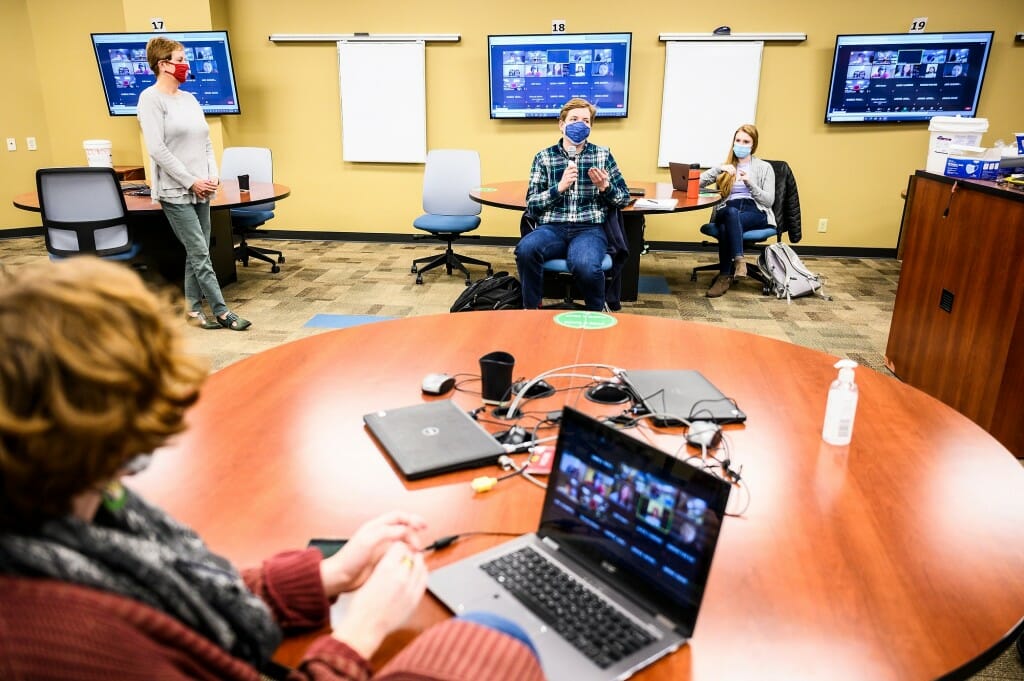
{"x":432,"y":438}
{"x":675,"y":394}
{"x":645,"y":521}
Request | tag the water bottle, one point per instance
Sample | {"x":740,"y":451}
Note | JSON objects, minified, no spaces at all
{"x":842,"y":405}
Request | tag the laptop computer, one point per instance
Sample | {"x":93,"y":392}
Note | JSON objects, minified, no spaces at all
{"x":613,"y":578}
{"x":432,"y":438}
{"x":680,"y":173}
{"x":684,"y":394}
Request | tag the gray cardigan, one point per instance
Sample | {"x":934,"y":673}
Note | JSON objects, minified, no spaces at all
{"x":178,"y":141}
{"x":761,"y":186}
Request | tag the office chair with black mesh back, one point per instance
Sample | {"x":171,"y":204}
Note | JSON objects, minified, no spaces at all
{"x":449,"y":176}
{"x":755,"y":239}
{"x":84,"y":212}
{"x":258,"y":164}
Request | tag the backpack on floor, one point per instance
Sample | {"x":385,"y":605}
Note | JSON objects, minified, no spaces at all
{"x":785,"y":274}
{"x":500,"y":291}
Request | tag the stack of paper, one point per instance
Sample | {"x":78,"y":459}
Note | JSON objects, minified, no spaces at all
{"x":655,"y":204}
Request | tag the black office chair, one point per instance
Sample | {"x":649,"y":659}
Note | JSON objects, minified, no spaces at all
{"x":258,"y":164}
{"x":787,"y":219}
{"x":84,"y":212}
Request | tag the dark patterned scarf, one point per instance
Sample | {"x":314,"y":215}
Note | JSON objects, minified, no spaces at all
{"x":139,"y":552}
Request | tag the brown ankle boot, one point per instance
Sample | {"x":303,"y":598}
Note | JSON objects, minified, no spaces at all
{"x":739,"y":268}
{"x":719,"y":286}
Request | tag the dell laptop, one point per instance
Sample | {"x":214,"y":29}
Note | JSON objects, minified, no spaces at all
{"x":432,"y":438}
{"x":675,"y":395}
{"x":614,"y":576}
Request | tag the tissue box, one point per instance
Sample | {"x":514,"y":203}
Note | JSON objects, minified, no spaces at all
{"x":971,"y":168}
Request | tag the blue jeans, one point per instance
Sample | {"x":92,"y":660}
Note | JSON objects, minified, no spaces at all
{"x":190,"y":222}
{"x":583,"y":246}
{"x":502,"y":624}
{"x":734,"y":218}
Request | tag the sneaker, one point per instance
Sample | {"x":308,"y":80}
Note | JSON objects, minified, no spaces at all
{"x":719,"y":286}
{"x":234,"y":322}
{"x":740,"y":267}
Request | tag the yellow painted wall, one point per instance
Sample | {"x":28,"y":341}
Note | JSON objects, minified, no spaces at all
{"x":21,"y":115}
{"x":852,"y":175}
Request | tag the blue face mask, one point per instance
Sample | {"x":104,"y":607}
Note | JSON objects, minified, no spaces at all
{"x":577,"y":132}
{"x":741,"y":150}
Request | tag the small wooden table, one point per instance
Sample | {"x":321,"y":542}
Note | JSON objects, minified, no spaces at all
{"x":897,"y":557}
{"x":130,"y":173}
{"x":512,"y":196}
{"x":150,"y":226}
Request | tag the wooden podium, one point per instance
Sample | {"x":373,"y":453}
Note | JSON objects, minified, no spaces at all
{"x":957,"y":329}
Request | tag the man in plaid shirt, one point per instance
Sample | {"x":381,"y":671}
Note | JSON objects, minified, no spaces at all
{"x":573,"y":184}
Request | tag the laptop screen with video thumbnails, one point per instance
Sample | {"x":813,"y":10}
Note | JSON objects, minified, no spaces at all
{"x":623,"y":525}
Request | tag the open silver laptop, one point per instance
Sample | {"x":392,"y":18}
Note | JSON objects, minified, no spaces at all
{"x":680,"y":173}
{"x":614,"y":576}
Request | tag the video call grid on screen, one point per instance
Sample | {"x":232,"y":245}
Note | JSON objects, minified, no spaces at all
{"x":533,"y":76}
{"x":910,"y":77}
{"x":649,"y":521}
{"x":125,"y":71}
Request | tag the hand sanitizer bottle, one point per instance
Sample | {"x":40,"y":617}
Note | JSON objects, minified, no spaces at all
{"x":841,"y":406}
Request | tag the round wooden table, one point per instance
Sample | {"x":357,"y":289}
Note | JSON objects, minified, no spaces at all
{"x":151,"y":230}
{"x":228,"y":196}
{"x":512,"y":196}
{"x":897,"y":557}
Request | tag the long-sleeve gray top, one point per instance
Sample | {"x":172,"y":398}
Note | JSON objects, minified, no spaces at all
{"x":178,"y":140}
{"x":761,"y":185}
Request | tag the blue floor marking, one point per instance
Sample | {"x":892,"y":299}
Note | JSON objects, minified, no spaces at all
{"x":650,"y":284}
{"x":342,"y":321}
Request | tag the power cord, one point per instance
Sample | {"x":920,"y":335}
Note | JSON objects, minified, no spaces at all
{"x":447,"y":540}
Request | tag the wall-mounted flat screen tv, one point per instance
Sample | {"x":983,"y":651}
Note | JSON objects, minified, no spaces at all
{"x":125,"y":72}
{"x":532,"y":76}
{"x":906,"y":77}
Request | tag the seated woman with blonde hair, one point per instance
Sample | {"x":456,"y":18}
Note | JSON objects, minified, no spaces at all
{"x":96,"y":583}
{"x":747,"y":186}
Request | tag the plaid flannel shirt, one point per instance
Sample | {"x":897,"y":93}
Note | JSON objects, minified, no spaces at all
{"x":584,"y":203}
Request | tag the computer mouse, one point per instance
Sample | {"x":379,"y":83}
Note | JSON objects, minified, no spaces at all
{"x":437,"y":384}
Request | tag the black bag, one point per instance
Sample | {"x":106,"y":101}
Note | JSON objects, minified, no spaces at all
{"x":500,"y":291}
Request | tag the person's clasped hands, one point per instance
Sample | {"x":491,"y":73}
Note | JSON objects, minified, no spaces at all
{"x":382,"y":563}
{"x":205,"y":188}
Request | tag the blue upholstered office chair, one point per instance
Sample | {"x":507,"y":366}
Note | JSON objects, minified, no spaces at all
{"x":755,"y":239}
{"x":447,"y":179}
{"x":258,"y":164}
{"x":559,"y":269}
{"x":83,"y":211}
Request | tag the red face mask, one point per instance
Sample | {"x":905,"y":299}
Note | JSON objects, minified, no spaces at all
{"x":180,"y":71}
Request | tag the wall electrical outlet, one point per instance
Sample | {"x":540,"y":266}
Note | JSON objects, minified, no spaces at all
{"x":30,"y":143}
{"x":822,"y":224}
{"x":12,"y":144}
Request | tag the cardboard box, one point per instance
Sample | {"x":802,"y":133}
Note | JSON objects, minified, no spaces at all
{"x":971,"y":168}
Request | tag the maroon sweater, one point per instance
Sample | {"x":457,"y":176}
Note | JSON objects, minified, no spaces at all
{"x":54,"y":630}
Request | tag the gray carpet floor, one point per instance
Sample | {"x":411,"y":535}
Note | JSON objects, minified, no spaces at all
{"x":335,"y":283}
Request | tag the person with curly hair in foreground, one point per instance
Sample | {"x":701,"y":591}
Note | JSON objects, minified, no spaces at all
{"x":96,"y":583}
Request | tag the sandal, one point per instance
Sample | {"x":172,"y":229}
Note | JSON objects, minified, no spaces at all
{"x":234,"y":322}
{"x":199,"y":320}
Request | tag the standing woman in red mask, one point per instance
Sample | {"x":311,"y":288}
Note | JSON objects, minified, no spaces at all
{"x":184,"y":177}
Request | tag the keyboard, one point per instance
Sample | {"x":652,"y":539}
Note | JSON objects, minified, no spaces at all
{"x":582,"y":617}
